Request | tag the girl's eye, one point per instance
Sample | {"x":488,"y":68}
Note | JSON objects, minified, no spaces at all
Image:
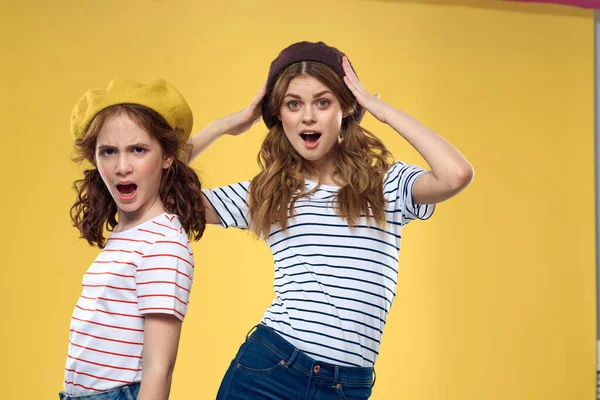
{"x":293,"y":105}
{"x":107,"y":152}
{"x":139,"y":150}
{"x":323,"y":103}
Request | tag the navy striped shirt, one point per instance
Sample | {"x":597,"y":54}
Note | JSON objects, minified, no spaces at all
{"x":334,"y":286}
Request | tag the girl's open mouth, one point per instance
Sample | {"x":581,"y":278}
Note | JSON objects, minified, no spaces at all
{"x":127,"y":191}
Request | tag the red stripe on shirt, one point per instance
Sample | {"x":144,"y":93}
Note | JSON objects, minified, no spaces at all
{"x":107,"y":339}
{"x":108,"y":312}
{"x":167,"y":282}
{"x":165,"y":269}
{"x":123,"y":251}
{"x":114,"y":261}
{"x":97,"y":377}
{"x":105,"y":352}
{"x":119,"y":301}
{"x":129,"y":240}
{"x":154,"y":233}
{"x":171,"y":242}
{"x":107,"y":299}
{"x":104,"y":365}
{"x":170,"y":219}
{"x":163,"y":295}
{"x":164,"y":226}
{"x":162,"y":309}
{"x":168,"y":255}
{"x":85,"y":387}
{"x":109,"y":326}
{"x":109,"y":286}
{"x":110,"y":273}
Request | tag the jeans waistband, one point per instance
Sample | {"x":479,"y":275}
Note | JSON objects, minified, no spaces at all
{"x":300,"y":360}
{"x":109,"y":394}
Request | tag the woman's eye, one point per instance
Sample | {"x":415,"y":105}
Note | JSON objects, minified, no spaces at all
{"x":139,"y":150}
{"x":323,"y":103}
{"x":293,"y":104}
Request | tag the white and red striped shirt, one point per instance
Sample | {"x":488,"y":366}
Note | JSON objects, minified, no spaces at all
{"x":145,"y":269}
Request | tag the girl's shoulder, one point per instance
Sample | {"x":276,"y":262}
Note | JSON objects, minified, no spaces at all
{"x":169,"y":226}
{"x":169,"y":236}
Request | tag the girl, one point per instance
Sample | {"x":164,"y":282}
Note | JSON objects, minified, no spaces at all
{"x":331,"y":206}
{"x":135,"y":293}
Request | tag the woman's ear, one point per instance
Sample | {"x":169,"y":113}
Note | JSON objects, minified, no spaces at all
{"x":167,"y":162}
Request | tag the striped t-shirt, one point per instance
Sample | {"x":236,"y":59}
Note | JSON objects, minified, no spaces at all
{"x":145,"y":269}
{"x":333,"y":285}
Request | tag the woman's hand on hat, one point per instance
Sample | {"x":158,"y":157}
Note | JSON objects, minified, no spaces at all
{"x":233,"y":124}
{"x":241,"y":121}
{"x":371,"y":103}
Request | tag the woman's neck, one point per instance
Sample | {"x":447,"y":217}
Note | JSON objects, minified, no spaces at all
{"x":323,"y":173}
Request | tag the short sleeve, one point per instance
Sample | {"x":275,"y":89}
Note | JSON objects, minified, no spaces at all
{"x":164,"y":277}
{"x":230,"y":203}
{"x":397,"y":189}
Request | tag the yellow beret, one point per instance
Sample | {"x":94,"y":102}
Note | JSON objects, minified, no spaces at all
{"x":158,"y":95}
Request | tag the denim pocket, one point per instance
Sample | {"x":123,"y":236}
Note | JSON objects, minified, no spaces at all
{"x":130,"y":393}
{"x":256,"y":358}
{"x":349,"y":391}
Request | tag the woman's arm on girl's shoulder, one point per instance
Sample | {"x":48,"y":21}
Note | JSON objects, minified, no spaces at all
{"x":233,"y":124}
{"x":161,"y":340}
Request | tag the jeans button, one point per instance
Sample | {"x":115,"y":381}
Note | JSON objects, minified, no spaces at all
{"x":316,"y":369}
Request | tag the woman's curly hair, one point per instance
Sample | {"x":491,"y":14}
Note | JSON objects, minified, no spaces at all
{"x":361,"y":162}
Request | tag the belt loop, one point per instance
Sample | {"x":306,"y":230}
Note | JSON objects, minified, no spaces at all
{"x":251,"y":331}
{"x":336,"y":375}
{"x":374,"y":377}
{"x":291,"y":360}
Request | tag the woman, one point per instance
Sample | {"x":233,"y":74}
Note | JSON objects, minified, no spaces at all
{"x":331,"y":205}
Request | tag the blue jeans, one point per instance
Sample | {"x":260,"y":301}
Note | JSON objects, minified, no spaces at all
{"x":129,"y":392}
{"x":269,"y":367}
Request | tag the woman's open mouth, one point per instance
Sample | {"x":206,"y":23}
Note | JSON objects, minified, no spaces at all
{"x":311,"y":139}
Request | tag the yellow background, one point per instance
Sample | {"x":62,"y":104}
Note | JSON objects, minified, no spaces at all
{"x":496,"y":296}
